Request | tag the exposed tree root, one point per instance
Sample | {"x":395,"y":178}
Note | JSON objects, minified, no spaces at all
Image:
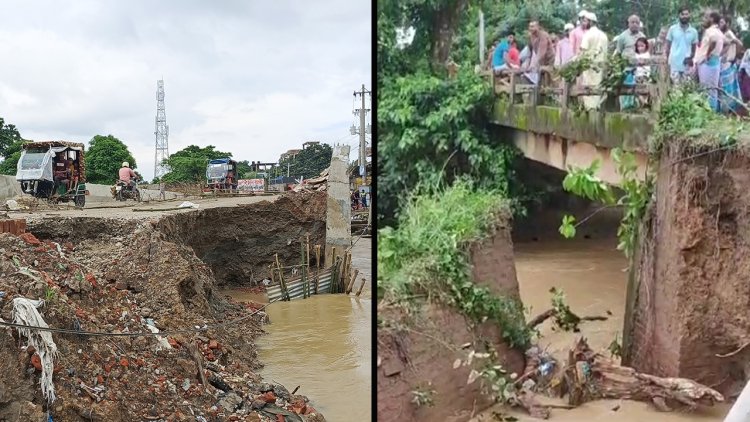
{"x":589,"y":376}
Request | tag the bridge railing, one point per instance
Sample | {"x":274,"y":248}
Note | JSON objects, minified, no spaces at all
{"x":550,"y":84}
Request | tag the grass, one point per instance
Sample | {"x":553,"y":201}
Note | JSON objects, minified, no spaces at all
{"x":427,"y":255}
{"x":686,"y":115}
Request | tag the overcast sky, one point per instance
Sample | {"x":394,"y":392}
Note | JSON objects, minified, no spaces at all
{"x":254,"y":78}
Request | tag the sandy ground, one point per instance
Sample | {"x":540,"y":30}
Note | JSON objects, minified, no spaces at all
{"x":111,"y":209}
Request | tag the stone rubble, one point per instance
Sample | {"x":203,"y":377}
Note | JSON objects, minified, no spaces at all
{"x":96,"y":286}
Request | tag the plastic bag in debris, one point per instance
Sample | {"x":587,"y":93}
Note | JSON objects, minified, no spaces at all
{"x":12,"y":205}
{"x":25,"y":313}
{"x":163,"y":343}
{"x":188,"y":204}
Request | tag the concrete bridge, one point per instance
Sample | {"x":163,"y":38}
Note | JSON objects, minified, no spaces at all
{"x":547,"y":129}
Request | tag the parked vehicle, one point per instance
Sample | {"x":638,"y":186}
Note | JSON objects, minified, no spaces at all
{"x":221,"y":174}
{"x":54,"y":171}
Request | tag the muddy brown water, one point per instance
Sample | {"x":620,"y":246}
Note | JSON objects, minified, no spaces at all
{"x":591,"y":274}
{"x":324,"y":345}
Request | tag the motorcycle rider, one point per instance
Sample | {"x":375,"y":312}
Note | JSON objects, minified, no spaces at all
{"x":127,"y":175}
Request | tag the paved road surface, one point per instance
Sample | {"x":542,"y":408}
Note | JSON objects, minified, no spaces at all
{"x":113,"y":209}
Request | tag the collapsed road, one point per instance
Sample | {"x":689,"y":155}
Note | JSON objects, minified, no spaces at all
{"x":127,"y":274}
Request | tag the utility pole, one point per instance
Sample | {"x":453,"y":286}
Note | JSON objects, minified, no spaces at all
{"x":363,"y":129}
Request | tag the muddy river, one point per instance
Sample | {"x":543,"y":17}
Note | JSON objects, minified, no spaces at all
{"x":591,"y":272}
{"x":323,"y":344}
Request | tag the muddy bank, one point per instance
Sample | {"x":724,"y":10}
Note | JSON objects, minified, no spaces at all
{"x":417,"y":348}
{"x":120,"y":276}
{"x":238,"y":243}
{"x":689,"y":292}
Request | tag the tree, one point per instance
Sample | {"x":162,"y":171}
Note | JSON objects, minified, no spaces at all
{"x":104,"y":158}
{"x":11,"y":143}
{"x":309,"y":162}
{"x":9,"y":165}
{"x":189,"y":164}
{"x":244,"y":171}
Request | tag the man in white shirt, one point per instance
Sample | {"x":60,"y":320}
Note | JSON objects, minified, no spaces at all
{"x":594,"y":44}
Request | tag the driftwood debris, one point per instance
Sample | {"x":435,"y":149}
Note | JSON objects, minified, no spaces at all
{"x":589,"y":376}
{"x":568,"y":316}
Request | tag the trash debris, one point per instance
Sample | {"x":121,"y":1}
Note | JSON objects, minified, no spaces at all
{"x":12,"y":205}
{"x":188,"y":204}
{"x":25,"y":313}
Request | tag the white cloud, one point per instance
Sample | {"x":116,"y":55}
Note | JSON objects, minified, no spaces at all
{"x":252,"y":78}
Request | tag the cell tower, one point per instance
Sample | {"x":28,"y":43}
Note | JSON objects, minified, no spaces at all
{"x":161,"y":132}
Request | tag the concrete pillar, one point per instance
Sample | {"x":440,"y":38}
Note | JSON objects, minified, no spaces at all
{"x":338,"y":215}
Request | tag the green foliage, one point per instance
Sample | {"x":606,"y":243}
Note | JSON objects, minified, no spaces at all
{"x":686,"y":114}
{"x":104,"y":158}
{"x":568,"y":227}
{"x":423,"y":396}
{"x":564,"y":317}
{"x":633,"y":200}
{"x":9,"y":165}
{"x":428,"y":253}
{"x":9,"y":136}
{"x":615,"y":347}
{"x":585,"y":183}
{"x":189,"y":164}
{"x":431,"y":129}
{"x":10,"y":147}
{"x":244,"y":171}
{"x":309,"y":162}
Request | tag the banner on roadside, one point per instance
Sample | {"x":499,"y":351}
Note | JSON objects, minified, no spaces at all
{"x":251,"y":185}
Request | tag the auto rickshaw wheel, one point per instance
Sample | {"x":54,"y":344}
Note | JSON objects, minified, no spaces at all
{"x":80,"y":200}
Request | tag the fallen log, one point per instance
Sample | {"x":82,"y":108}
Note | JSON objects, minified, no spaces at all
{"x":569,"y":316}
{"x":590,"y":376}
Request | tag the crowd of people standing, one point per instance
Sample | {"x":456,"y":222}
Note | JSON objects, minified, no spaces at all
{"x":713,"y":57}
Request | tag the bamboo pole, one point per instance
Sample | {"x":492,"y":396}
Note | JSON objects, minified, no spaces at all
{"x":351,"y":282}
{"x":346,"y":271}
{"x":334,"y":277}
{"x":302,"y":268}
{"x":284,"y":291}
{"x":307,"y":262}
{"x":361,"y":286}
{"x":317,"y":264}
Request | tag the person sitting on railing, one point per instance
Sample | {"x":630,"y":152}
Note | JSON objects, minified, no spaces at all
{"x":541,"y":49}
{"x":500,"y":55}
{"x":681,"y":44}
{"x":643,"y":71}
{"x":625,"y":46}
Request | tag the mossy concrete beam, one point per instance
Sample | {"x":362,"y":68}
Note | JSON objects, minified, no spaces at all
{"x":602,"y":129}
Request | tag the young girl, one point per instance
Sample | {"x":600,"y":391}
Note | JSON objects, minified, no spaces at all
{"x":643,"y":71}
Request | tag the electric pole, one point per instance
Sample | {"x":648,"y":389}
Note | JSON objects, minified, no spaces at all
{"x":363,"y":129}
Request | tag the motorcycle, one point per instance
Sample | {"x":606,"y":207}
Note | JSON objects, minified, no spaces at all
{"x":123,"y":191}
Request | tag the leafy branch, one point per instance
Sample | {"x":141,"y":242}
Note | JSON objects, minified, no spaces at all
{"x":634,"y":198}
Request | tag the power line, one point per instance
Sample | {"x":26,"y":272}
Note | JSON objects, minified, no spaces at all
{"x":139,"y":334}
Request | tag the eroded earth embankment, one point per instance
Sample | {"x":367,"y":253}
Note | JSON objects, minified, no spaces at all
{"x":118,"y":276}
